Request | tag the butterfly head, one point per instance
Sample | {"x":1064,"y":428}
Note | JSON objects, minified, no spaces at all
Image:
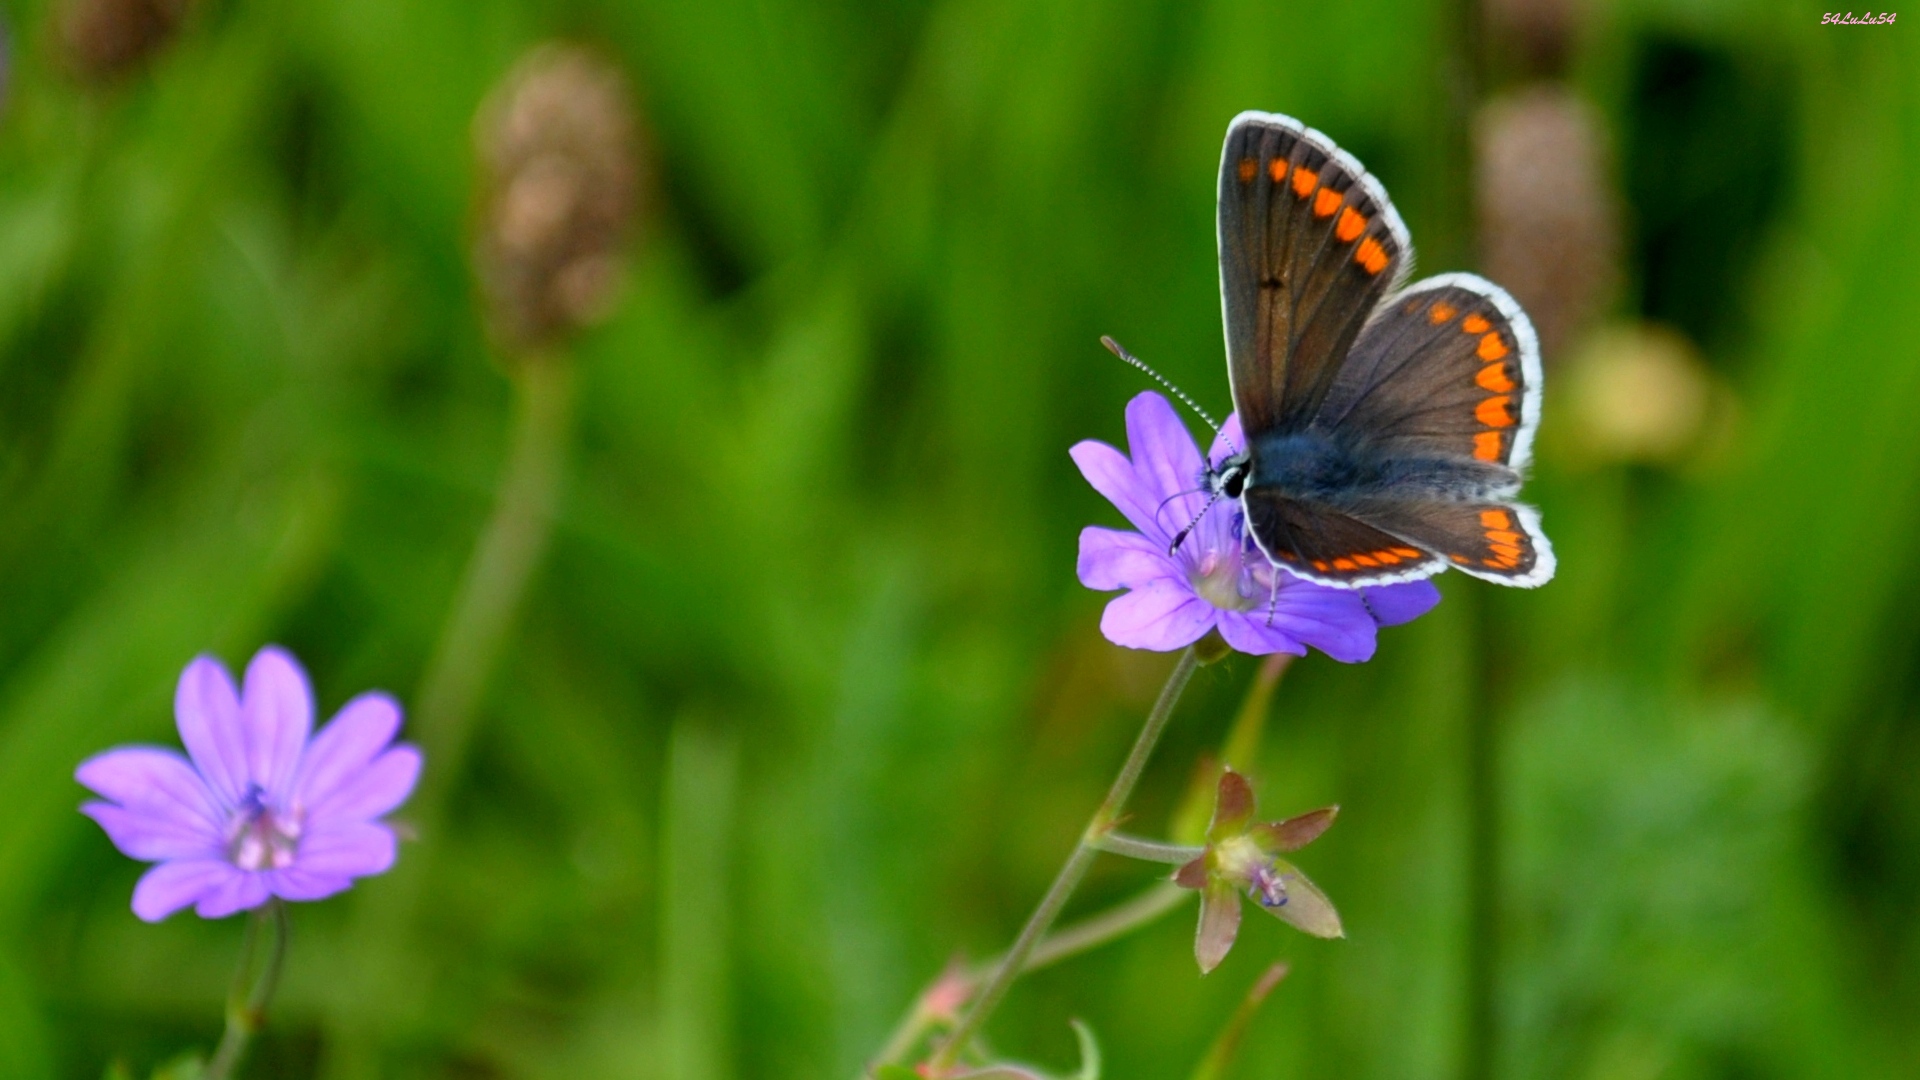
{"x":1227,"y":479}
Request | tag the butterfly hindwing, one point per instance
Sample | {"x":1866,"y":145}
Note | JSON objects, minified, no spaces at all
{"x":1448,"y":368}
{"x":1334,"y":548}
{"x":1494,"y":540}
{"x":1309,"y":243}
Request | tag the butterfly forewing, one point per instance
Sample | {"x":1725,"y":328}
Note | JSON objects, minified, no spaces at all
{"x":1309,"y":244}
{"x":1448,"y":368}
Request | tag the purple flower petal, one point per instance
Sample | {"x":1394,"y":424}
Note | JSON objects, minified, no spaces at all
{"x":1229,"y":441}
{"x":276,"y":707}
{"x":1331,"y":620}
{"x":372,"y":791}
{"x":155,"y":836}
{"x":356,"y":734}
{"x":171,"y":886}
{"x":206,"y":708}
{"x":239,"y":892}
{"x":1110,"y":559}
{"x":354,"y":850}
{"x":1158,"y":489}
{"x":1161,"y":615}
{"x":297,"y":884}
{"x":1402,"y":603}
{"x":151,"y":779}
{"x":1111,"y":474}
{"x":1165,"y":459}
{"x":1247,"y":632}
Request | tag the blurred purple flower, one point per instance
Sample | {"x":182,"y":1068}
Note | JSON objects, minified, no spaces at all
{"x":1217,"y":579}
{"x":260,"y":810}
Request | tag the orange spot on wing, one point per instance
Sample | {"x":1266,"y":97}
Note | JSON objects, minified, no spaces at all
{"x":1461,"y":559}
{"x":1367,"y":561}
{"x":1289,"y":556}
{"x":1494,"y":377}
{"x":1371,"y":255}
{"x":1387,"y":557}
{"x":1486,"y":446}
{"x":1407,"y":552}
{"x":1495,"y":519}
{"x":1504,"y":551}
{"x":1345,"y":564}
{"x":1499,"y":564}
{"x":1493,"y":412}
{"x":1247,"y":168}
{"x":1474,"y":324}
{"x":1492,"y":348}
{"x":1304,"y":181}
{"x":1325,"y":203}
{"x":1503,"y":536}
{"x":1352,"y":224}
{"x":1320,"y":565}
{"x":1441,"y":312}
{"x":1277,"y":168}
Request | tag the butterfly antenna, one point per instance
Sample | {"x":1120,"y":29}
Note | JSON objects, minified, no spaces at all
{"x":1181,"y":536}
{"x":1116,"y":349}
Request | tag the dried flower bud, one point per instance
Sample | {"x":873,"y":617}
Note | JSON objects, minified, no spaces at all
{"x":1639,"y":393}
{"x":1549,"y":226}
{"x":558,"y":178}
{"x":105,"y":39}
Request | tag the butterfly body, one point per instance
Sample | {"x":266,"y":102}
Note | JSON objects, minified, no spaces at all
{"x":1387,"y":428}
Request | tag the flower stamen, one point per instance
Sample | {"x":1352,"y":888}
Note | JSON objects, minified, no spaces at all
{"x":259,"y":837}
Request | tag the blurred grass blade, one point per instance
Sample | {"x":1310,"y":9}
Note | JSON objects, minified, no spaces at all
{"x":696,"y":902}
{"x":1227,"y":1043}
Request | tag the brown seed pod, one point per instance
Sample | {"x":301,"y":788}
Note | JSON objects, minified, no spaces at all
{"x":1549,"y":223}
{"x":106,"y":39}
{"x":558,"y":178}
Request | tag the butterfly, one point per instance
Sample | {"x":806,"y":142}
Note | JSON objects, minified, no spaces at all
{"x":1387,"y":427}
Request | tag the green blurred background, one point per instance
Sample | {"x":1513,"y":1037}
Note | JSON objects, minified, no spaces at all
{"x":804,"y":698}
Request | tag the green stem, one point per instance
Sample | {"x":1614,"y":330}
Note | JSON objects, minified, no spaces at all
{"x":1096,"y":930}
{"x":934,"y":1005}
{"x":247,"y":1009}
{"x":504,"y":559}
{"x":1073,"y":870}
{"x":1134,"y":847}
{"x":505,"y":556}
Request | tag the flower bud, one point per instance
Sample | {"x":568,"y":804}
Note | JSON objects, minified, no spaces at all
{"x":105,"y":39}
{"x":1549,"y":226}
{"x":557,"y":186}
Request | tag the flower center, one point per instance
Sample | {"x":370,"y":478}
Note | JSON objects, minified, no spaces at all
{"x":1217,"y":581}
{"x":1242,"y":862}
{"x":260,"y":837}
{"x":1265,"y":885}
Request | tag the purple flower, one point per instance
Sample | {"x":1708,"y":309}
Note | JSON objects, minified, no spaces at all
{"x":1217,"y":578}
{"x":259,"y":810}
